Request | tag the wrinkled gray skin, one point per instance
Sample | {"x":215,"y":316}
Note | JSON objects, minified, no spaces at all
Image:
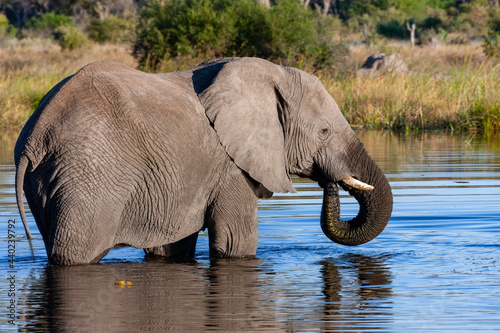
{"x":117,"y":157}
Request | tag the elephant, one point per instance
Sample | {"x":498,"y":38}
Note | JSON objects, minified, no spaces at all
{"x":114,"y":157}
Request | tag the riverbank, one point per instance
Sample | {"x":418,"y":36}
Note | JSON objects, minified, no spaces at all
{"x":449,"y":86}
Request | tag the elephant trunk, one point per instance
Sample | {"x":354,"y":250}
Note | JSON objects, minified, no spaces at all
{"x":375,"y":206}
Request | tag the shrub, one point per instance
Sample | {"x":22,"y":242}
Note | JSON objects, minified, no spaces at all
{"x":6,"y":30}
{"x":45,"y":25}
{"x":392,"y":29}
{"x":113,"y":29}
{"x":49,"y":21}
{"x":287,"y":32}
{"x":495,"y":25}
{"x":491,"y":44}
{"x":432,"y":22}
{"x":70,"y":37}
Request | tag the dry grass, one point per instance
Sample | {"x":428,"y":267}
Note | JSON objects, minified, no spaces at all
{"x":450,"y":86}
{"x":30,"y":68}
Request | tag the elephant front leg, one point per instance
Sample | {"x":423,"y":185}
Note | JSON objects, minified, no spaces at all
{"x":184,"y":248}
{"x":232,"y":221}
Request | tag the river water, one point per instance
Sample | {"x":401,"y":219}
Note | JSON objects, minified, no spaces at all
{"x":436,"y":267}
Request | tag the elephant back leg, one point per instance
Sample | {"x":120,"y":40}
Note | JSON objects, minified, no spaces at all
{"x":81,"y":232}
{"x":232,"y":219}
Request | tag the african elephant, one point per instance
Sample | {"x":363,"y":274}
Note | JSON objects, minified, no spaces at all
{"x":116,"y":157}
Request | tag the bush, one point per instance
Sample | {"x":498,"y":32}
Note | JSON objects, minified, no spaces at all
{"x":432,"y":22}
{"x":199,"y":28}
{"x":392,"y":29}
{"x":287,"y":32}
{"x":112,"y":29}
{"x":70,"y":37}
{"x":6,"y":30}
{"x":49,"y":21}
{"x":495,"y":25}
{"x":45,"y":25}
{"x":491,"y":44}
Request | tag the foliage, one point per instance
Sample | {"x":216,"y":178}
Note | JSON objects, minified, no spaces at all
{"x":348,"y":9}
{"x":296,"y":34}
{"x":49,"y":21}
{"x":112,"y":29}
{"x":417,"y":8}
{"x":6,"y":30}
{"x":287,"y":32}
{"x":432,"y":22}
{"x":70,"y":37}
{"x":46,"y":25}
{"x":355,"y":8}
{"x":491,"y":44}
{"x":393,"y":29}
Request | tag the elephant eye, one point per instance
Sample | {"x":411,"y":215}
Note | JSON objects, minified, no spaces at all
{"x":324,"y":132}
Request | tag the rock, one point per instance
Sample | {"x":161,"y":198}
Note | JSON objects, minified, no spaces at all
{"x":434,"y":41}
{"x":379,"y":63}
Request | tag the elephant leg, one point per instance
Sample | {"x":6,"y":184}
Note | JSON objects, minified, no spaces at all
{"x":80,"y":233}
{"x":183,"y":248}
{"x":232,"y":221}
{"x":100,"y":256}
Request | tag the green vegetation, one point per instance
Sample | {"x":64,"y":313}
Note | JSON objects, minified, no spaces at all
{"x":70,"y":37}
{"x":112,"y":29}
{"x":218,"y":28}
{"x":49,"y":21}
{"x":58,"y":26}
{"x":6,"y":30}
{"x":454,"y":69}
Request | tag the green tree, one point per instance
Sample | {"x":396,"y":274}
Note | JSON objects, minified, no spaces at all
{"x":287,"y":32}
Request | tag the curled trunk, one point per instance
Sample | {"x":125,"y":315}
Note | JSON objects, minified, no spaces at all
{"x":374,"y":212}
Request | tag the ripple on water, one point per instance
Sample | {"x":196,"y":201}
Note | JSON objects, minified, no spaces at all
{"x":435,"y":267}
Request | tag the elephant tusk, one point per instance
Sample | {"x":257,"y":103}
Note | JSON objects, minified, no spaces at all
{"x":357,"y":184}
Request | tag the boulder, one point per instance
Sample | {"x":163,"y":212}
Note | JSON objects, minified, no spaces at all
{"x":379,"y":63}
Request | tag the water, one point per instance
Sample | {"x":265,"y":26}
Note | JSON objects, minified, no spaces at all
{"x":436,"y":267}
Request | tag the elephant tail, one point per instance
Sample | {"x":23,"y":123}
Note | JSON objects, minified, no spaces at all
{"x":20,"y":172}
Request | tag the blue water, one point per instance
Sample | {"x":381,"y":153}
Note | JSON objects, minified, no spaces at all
{"x":436,"y":267}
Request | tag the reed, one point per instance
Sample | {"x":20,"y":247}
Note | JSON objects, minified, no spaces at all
{"x":31,"y":67}
{"x":449,"y":86}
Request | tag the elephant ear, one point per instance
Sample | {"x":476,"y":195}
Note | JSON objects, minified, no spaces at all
{"x":242,"y":105}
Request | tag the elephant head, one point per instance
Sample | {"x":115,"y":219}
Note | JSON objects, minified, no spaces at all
{"x":275,"y":120}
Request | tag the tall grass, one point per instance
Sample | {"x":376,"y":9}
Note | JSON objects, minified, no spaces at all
{"x":30,"y":68}
{"x":449,"y":87}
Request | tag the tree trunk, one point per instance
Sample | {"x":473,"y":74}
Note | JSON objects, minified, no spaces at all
{"x":305,"y":2}
{"x":412,"y":33}
{"x":266,"y":3}
{"x":326,"y":6}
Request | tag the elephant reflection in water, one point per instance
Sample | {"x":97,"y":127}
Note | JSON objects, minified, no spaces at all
{"x":164,"y":296}
{"x":348,"y":303}
{"x":228,"y":295}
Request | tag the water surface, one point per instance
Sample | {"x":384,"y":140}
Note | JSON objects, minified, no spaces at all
{"x":436,"y":266}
